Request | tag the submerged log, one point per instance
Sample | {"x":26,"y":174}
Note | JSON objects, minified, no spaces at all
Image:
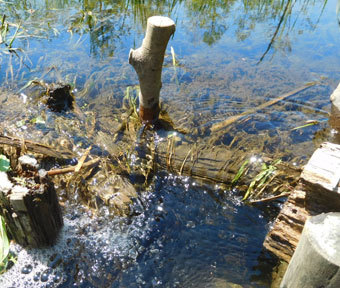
{"x":30,"y":207}
{"x":147,"y":61}
{"x":317,"y":193}
{"x":213,"y":164}
{"x":316,"y":261}
{"x":36,"y":147}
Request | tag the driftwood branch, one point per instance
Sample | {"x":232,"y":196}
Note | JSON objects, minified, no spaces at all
{"x":230,"y":120}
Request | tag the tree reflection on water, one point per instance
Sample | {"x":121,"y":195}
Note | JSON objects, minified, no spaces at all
{"x":107,"y":22}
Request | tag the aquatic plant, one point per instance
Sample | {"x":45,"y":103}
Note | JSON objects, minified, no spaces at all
{"x":259,"y":183}
{"x":308,"y":123}
{"x":240,"y":172}
{"x":131,"y":96}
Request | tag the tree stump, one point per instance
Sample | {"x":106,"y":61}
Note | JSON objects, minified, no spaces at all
{"x":147,"y":61}
{"x":316,"y":261}
{"x":30,"y":207}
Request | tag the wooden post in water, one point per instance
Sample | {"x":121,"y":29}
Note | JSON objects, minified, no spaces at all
{"x":334,"y":118}
{"x":316,"y":261}
{"x":147,"y":61}
{"x":30,"y":207}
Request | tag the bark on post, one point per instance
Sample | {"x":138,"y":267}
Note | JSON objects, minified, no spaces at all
{"x":334,"y":118}
{"x":147,"y":61}
{"x":316,"y":261}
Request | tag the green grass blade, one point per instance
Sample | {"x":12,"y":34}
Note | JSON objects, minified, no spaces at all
{"x":4,"y":242}
{"x":240,"y":172}
{"x":173,"y":55}
{"x":311,"y":123}
{"x":14,"y":36}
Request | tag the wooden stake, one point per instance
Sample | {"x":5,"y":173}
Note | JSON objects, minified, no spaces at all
{"x":147,"y":61}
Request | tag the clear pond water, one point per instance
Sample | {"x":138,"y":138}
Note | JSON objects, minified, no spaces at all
{"x":231,"y":56}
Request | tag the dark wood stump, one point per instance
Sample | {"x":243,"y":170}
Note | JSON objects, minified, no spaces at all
{"x":30,"y":208}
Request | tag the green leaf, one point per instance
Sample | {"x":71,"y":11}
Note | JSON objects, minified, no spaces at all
{"x":4,"y":242}
{"x":4,"y":163}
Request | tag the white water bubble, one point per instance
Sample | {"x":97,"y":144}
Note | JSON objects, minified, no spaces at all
{"x":23,"y":97}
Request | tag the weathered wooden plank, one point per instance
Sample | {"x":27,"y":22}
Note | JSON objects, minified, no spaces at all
{"x":317,"y":193}
{"x":284,"y":236}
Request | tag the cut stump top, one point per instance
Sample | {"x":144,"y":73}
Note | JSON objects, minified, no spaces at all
{"x":161,"y":21}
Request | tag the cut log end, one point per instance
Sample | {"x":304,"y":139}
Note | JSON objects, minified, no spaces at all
{"x":161,"y":21}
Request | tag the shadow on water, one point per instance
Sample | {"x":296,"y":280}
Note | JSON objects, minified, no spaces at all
{"x":231,"y":56}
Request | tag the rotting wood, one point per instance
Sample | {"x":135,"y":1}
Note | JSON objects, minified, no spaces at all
{"x":221,"y":125}
{"x":36,"y":147}
{"x":318,"y":192}
{"x":148,"y":61}
{"x":284,"y":236}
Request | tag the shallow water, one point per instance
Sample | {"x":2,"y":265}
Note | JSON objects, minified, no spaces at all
{"x":231,"y":56}
{"x":181,"y":234}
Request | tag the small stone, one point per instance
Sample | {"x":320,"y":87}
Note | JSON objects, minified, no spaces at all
{"x":28,"y":161}
{"x":5,"y":184}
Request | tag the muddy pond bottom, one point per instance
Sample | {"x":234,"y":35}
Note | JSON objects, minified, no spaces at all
{"x":179,"y":234}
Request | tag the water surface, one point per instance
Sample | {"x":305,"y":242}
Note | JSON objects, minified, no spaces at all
{"x":231,"y":56}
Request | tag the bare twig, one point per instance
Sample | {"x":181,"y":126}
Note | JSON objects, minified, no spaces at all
{"x":70,"y":169}
{"x":82,"y":160}
{"x":270,"y":198}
